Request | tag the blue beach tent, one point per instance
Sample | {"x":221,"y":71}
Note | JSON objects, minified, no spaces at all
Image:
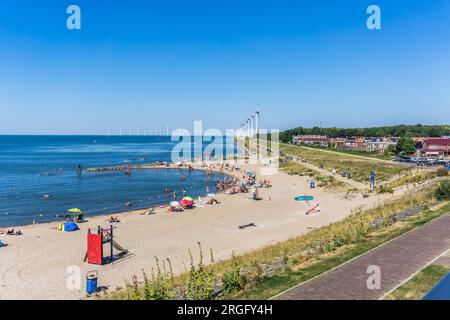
{"x":2,"y":244}
{"x":70,"y":226}
{"x":441,"y":291}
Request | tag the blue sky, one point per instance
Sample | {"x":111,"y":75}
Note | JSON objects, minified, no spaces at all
{"x":145,"y":64}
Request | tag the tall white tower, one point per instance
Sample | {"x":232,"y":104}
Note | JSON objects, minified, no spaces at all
{"x":253,"y":124}
{"x":257,"y":123}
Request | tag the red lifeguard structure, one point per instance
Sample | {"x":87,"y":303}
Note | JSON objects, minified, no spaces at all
{"x":95,"y":242}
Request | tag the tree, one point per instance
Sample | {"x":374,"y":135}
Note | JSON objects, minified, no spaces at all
{"x":391,"y":149}
{"x":418,"y":130}
{"x":405,"y":146}
{"x":442,"y":192}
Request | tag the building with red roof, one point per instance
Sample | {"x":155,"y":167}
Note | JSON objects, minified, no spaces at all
{"x":318,"y":140}
{"x":436,"y":147}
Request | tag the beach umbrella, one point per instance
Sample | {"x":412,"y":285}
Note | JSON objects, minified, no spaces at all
{"x":250,"y":173}
{"x":186,"y":202}
{"x":188,"y":198}
{"x":74,"y":210}
{"x":174,"y":204}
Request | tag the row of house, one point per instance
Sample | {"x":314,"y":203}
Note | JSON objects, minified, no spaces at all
{"x":433,"y":147}
{"x":426,"y":147}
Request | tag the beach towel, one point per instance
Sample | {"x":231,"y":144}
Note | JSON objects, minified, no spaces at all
{"x":304,"y":198}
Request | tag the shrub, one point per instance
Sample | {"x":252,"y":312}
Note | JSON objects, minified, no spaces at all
{"x":232,"y":281}
{"x":442,"y":192}
{"x":161,"y":286}
{"x":442,"y":172}
{"x":385,"y":189}
{"x":132,"y":290}
{"x":200,"y":283}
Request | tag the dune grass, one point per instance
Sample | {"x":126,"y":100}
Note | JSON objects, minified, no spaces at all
{"x":359,"y":168}
{"x":411,"y":178}
{"x":322,"y":181}
{"x":420,"y":284}
{"x":366,"y":154}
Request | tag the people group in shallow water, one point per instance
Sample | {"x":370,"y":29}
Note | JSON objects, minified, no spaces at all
{"x":228,"y":184}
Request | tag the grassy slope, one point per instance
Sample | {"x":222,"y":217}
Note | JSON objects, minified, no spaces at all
{"x":413,"y":178}
{"x":420,"y":284}
{"x":359,"y":167}
{"x":327,"y":182}
{"x":371,"y":155}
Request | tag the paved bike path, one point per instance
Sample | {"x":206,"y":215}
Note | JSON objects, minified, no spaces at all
{"x":397,"y":259}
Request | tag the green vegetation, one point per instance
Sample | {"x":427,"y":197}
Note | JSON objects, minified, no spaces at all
{"x":374,"y":155}
{"x":395,"y":131}
{"x":420,"y":284}
{"x":442,"y":172}
{"x":201,"y":281}
{"x":159,"y":287}
{"x":359,"y":168}
{"x":443,"y":190}
{"x":385,"y":189}
{"x":410,"y":178}
{"x":233,"y":281}
{"x":405,"y":146}
{"x":322,"y":181}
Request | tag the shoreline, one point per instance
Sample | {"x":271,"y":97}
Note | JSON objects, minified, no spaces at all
{"x":156,"y":207}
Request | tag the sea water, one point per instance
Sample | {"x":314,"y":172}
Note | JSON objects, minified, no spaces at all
{"x":34,"y":166}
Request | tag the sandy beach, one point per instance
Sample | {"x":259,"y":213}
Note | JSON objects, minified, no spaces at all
{"x":35,"y":264}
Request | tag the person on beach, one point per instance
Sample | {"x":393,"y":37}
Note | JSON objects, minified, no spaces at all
{"x":212,"y":200}
{"x":175,"y":209}
{"x":256,"y":195}
{"x":112,"y":219}
{"x":12,"y":232}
